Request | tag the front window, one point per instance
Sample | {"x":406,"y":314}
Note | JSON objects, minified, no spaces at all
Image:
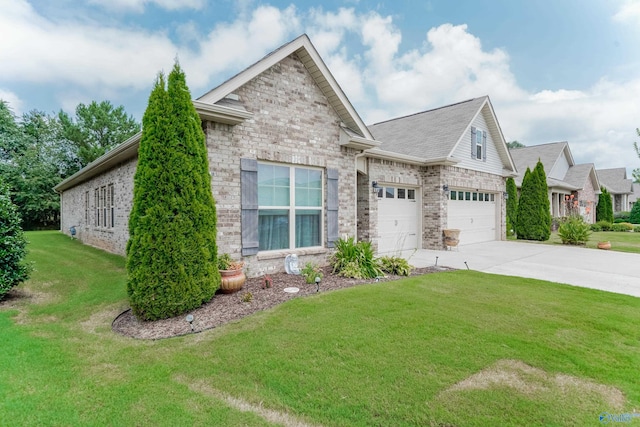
{"x":289,"y":207}
{"x":478,"y":144}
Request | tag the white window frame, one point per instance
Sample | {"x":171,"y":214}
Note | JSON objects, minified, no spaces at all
{"x":478,"y":145}
{"x":292,"y":205}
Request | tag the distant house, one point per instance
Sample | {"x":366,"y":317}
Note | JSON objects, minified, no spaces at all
{"x":616,"y":182}
{"x":294,"y":168}
{"x":571,"y":186}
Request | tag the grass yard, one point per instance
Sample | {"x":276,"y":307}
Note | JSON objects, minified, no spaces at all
{"x":456,"y":348}
{"x":620,"y":241}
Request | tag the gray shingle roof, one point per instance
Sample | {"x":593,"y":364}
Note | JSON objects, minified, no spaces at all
{"x":615,"y":180}
{"x":577,"y":175}
{"x":636,"y":193}
{"x":527,"y":157}
{"x":431,"y":134}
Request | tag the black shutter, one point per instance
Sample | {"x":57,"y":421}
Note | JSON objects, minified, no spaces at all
{"x":332,"y":207}
{"x":484,"y":146}
{"x":473,"y":142}
{"x":249,"y":206}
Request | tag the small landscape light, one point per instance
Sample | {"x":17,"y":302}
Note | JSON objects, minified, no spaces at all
{"x":318,"y":283}
{"x":189,"y":319}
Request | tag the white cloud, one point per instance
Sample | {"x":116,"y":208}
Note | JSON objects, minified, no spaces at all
{"x":14,"y":101}
{"x":629,"y":12}
{"x":139,"y":5}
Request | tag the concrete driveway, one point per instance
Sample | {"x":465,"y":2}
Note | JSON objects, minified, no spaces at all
{"x":590,"y":268}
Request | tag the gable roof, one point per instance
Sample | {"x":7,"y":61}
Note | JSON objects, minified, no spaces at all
{"x":636,"y":192}
{"x":615,"y":180}
{"x":312,"y":61}
{"x":432,"y":136}
{"x":549,"y":154}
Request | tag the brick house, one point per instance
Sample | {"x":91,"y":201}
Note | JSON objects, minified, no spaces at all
{"x":292,"y":166}
{"x":619,"y":186}
{"x":571,"y":185}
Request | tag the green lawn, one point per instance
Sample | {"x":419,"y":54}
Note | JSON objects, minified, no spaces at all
{"x":455,"y":348}
{"x":620,"y":241}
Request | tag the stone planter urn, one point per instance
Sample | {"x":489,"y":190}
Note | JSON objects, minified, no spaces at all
{"x":604,"y":245}
{"x":451,"y":236}
{"x":232,"y":280}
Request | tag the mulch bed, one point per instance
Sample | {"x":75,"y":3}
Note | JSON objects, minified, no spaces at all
{"x":224,"y":308}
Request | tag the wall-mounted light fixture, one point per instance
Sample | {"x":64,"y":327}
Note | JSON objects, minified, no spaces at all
{"x":445,"y":188}
{"x":375,"y":186}
{"x":506,"y":195}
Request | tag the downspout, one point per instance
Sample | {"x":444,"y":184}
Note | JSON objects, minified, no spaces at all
{"x":355,"y":168}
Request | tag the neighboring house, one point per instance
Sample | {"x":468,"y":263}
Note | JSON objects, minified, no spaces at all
{"x":292,"y":166}
{"x":616,"y":182}
{"x":438,"y":169}
{"x":572,"y":188}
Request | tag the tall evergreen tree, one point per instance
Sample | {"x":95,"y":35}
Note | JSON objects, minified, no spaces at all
{"x":171,"y":252}
{"x":604,"y":210}
{"x":634,"y":215}
{"x":545,"y":204}
{"x":512,"y":206}
{"x":534,"y":216}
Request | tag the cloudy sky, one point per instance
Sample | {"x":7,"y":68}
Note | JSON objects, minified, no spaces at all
{"x":556,"y":70}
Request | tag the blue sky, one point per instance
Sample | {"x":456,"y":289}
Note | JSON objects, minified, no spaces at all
{"x":555,"y":70}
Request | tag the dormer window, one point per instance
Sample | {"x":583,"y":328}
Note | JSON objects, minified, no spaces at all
{"x":478,"y":144}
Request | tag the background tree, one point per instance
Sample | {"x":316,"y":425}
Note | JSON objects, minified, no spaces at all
{"x":515,"y":144}
{"x":171,"y":252}
{"x":534,"y":216}
{"x":604,"y":209}
{"x":13,"y":269}
{"x":97,"y":128}
{"x":512,"y":206}
{"x":636,"y":172}
{"x":634,"y":215}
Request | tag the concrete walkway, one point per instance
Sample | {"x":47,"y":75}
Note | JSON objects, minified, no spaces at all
{"x":590,"y":268}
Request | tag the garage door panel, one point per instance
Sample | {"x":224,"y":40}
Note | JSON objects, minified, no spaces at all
{"x":475,"y":218}
{"x":397,"y":224}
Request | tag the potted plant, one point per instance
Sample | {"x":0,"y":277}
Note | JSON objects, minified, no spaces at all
{"x":233,"y":278}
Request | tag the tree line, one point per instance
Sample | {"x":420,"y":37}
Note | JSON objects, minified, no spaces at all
{"x":39,"y":150}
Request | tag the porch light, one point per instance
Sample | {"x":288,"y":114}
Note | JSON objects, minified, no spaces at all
{"x":375,"y":186}
{"x":445,"y":188}
{"x":505,"y":195}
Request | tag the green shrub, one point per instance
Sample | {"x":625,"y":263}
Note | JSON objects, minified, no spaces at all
{"x":620,"y":220}
{"x":354,"y":260}
{"x":512,"y":206}
{"x":623,"y":215}
{"x":395,"y":265}
{"x":172,"y":252}
{"x":604,"y":225}
{"x":13,"y":269}
{"x":596,"y":227}
{"x":634,"y":215}
{"x":622,"y":226}
{"x":534,"y":214}
{"x":636,"y":229}
{"x":310,"y":271}
{"x":604,"y":209}
{"x":574,"y":231}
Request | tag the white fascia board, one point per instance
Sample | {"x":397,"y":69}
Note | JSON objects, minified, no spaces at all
{"x":220,"y":114}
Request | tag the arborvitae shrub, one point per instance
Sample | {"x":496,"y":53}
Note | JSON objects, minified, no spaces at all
{"x":604,"y":210}
{"x":634,"y":216}
{"x":13,"y":269}
{"x":512,"y":206}
{"x":534,"y":215}
{"x":171,"y":252}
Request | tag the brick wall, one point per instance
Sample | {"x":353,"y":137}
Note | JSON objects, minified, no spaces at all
{"x":112,"y":239}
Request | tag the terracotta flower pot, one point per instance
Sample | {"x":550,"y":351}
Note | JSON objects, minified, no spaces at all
{"x":604,"y":245}
{"x":232,"y":281}
{"x":451,"y":236}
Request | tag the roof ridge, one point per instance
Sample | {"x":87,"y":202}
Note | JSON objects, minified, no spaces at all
{"x":428,"y":111}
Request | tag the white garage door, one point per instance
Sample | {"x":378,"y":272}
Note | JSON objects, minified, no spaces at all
{"x":474,"y":213}
{"x":397,"y":219}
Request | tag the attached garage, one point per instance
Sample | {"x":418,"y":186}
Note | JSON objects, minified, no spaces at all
{"x":398,"y":220}
{"x":475,"y":214}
